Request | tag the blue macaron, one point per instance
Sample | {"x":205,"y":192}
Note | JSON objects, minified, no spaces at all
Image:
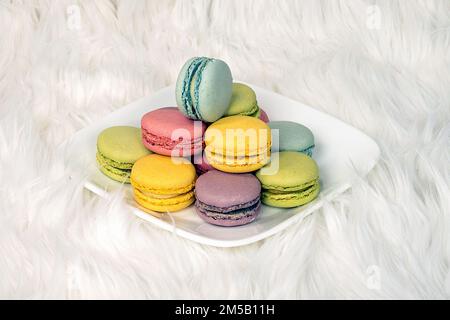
{"x":204,"y":89}
{"x":292,"y":136}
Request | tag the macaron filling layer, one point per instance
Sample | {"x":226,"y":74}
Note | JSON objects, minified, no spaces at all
{"x":199,"y":74}
{"x":257,"y":113}
{"x":280,"y":189}
{"x":275,"y":194}
{"x":186,"y":92}
{"x":111,"y":163}
{"x":308,"y":151}
{"x":290,"y":199}
{"x":162,"y":200}
{"x":232,"y":215}
{"x":156,"y":200}
{"x":120,"y":175}
{"x":220,"y":159}
{"x":157,"y":190}
{"x":169,"y":144}
{"x":163,"y":207}
{"x":253,"y":112}
{"x":228,"y":210}
{"x":190,"y":97}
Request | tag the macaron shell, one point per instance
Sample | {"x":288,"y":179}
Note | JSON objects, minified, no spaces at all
{"x":295,"y":169}
{"x":225,"y":190}
{"x":164,"y":121}
{"x":292,"y":137}
{"x":163,"y":147}
{"x":121,"y":144}
{"x":234,"y":211}
{"x":163,"y":175}
{"x":243,"y":101}
{"x":214,"y":90}
{"x":168,"y":132}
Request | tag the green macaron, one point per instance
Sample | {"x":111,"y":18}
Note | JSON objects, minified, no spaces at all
{"x":295,"y":182}
{"x":243,"y":101}
{"x":118,"y":148}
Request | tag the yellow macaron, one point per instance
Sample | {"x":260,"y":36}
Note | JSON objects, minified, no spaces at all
{"x":163,"y":184}
{"x":238,"y":144}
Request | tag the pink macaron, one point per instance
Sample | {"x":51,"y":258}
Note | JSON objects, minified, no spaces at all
{"x":201,"y":164}
{"x":168,"y":132}
{"x":263,"y":116}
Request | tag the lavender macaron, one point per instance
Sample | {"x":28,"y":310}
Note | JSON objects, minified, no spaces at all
{"x":227,"y":199}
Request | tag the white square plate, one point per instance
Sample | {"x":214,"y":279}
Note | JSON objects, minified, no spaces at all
{"x":342,"y":152}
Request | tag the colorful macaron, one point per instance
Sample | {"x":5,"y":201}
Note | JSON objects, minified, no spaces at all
{"x":238,"y":144}
{"x":263,"y":116}
{"x":118,"y":148}
{"x":163,"y":184}
{"x":201,"y":164}
{"x":243,"y":102}
{"x":292,"y":136}
{"x":295,"y":182}
{"x":204,"y":88}
{"x":227,"y":199}
{"x":168,"y":132}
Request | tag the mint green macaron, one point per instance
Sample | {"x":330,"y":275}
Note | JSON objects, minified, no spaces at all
{"x":118,"y":148}
{"x":295,"y":183}
{"x":292,"y":136}
{"x":203,"y":89}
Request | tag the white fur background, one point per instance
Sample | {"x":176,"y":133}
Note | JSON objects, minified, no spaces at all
{"x":382,"y":66}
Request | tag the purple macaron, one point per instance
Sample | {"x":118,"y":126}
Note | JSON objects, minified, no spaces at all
{"x":227,"y":199}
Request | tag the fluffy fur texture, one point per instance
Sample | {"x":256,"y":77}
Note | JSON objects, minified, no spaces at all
{"x":384,"y":69}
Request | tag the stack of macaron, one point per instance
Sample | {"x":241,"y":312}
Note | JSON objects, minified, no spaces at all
{"x":217,"y":148}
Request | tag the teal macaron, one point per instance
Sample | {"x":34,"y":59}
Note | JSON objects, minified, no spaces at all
{"x":292,"y":136}
{"x":204,"y":88}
